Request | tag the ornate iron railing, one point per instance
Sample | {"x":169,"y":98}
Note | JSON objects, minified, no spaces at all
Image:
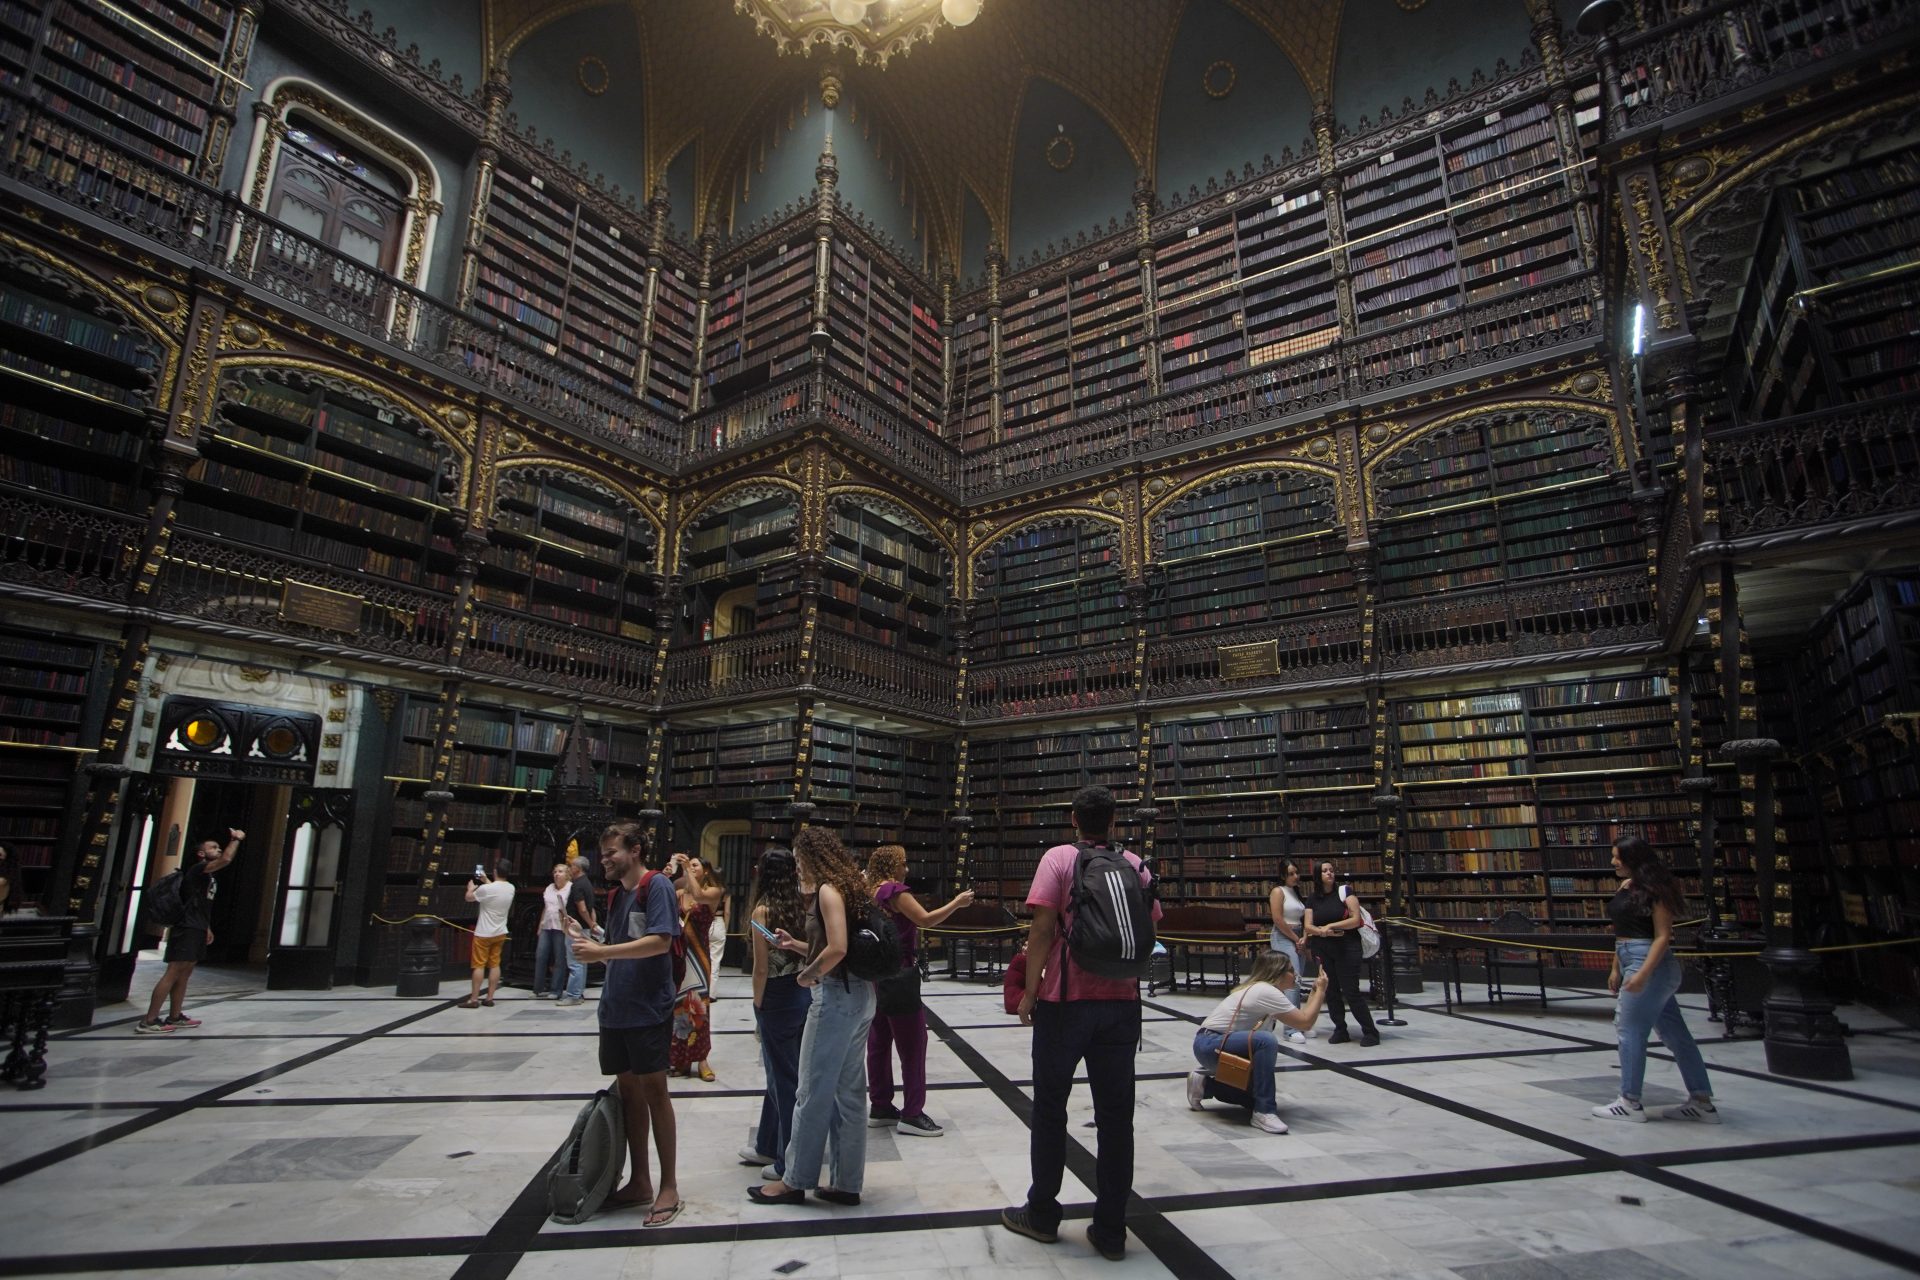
{"x":1675,"y":576}
{"x":1707,"y":52}
{"x":1831,"y":467}
{"x":852,"y":664}
{"x":756,"y":662}
{"x":237,"y":586}
{"x":1322,"y":648}
{"x":69,"y":550}
{"x":1493,"y":623}
{"x":515,"y":647}
{"x":54,"y":154}
{"x":1071,"y":681}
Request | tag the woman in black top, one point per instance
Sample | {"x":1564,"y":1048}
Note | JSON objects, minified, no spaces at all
{"x":1336,"y":944}
{"x":1645,"y":976}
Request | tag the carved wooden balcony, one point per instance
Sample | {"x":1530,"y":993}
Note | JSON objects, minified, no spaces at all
{"x":1842,"y":472}
{"x":67,"y":551}
{"x":1322,"y":648}
{"x":883,"y":674}
{"x":1071,"y":681}
{"x":517,"y":648}
{"x":734,"y":666}
{"x":1561,"y":615}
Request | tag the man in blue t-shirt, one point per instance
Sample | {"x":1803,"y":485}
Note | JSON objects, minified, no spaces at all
{"x":636,"y":1010}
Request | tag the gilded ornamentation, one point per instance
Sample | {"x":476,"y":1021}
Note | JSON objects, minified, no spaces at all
{"x":254,"y":675}
{"x":1377,"y":433}
{"x":1156,"y":486}
{"x":1059,"y":152}
{"x":1589,"y":384}
{"x":1220,"y":77}
{"x":1319,"y":447}
{"x":1685,"y":176}
{"x":331,"y":741}
{"x":1652,"y":248}
{"x":160,"y":300}
{"x":1111,"y":499}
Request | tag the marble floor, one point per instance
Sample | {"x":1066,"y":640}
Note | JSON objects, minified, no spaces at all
{"x":355,"y":1134}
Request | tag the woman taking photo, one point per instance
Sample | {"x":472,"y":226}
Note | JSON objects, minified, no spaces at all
{"x":1336,"y":945}
{"x":1646,"y":976}
{"x":1289,"y":915}
{"x":885,"y":870}
{"x":827,"y":1105}
{"x":1235,"y":1027}
{"x":780,"y":1004}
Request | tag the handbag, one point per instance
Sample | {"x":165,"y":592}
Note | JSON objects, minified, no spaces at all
{"x":1369,"y":933}
{"x":898,"y":996}
{"x":1232,"y":1070}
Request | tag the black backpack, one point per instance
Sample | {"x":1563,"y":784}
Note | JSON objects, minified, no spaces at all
{"x":1110,"y":934}
{"x":162,"y":903}
{"x":873,"y":944}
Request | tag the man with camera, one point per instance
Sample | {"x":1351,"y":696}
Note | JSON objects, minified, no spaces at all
{"x":187,"y":942}
{"x":494,"y":896}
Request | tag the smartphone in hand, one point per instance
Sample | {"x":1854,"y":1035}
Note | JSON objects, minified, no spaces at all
{"x":765,"y":932}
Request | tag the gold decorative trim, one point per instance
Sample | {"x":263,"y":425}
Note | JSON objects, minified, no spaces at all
{"x":1059,"y":152}
{"x":1652,"y":247}
{"x":940,"y":530}
{"x":1425,"y":429}
{"x":984,"y":542}
{"x":1170,"y":495}
{"x":1207,"y":77}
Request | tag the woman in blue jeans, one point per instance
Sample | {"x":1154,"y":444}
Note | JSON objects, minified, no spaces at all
{"x":1646,"y":975}
{"x":830,"y":1104}
{"x":1235,"y":1026}
{"x":780,"y":1005}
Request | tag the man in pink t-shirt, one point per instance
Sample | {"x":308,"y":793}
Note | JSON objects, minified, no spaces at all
{"x":1098,"y":1022}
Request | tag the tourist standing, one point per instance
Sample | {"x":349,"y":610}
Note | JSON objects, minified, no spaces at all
{"x":494,"y":896}
{"x":579,"y":913}
{"x":187,"y":942}
{"x":1289,"y":915}
{"x":899,"y":1017}
{"x":692,"y":1023}
{"x":1078,"y":1017}
{"x":828,"y":1103}
{"x":780,"y":1004}
{"x":1332,"y":922}
{"x":551,"y":954}
{"x":636,"y":1013}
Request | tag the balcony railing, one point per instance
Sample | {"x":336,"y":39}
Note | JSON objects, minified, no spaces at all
{"x":1713,"y":50}
{"x":54,"y":154}
{"x":515,"y":647}
{"x":855,"y":665}
{"x":1856,"y":462}
{"x":758,"y":662}
{"x":1069,"y":682}
{"x":67,"y":550}
{"x":1323,"y":648}
{"x":235,"y":585}
{"x":1559,"y":615}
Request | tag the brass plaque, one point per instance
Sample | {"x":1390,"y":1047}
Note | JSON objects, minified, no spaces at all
{"x":313,"y":606}
{"x":1249,"y":661}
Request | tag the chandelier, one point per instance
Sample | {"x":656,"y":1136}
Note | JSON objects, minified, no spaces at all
{"x":872,"y":30}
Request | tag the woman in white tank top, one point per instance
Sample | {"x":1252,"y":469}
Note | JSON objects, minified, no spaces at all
{"x":1288,"y":913}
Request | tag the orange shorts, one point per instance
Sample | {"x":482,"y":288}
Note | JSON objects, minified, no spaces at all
{"x":487,"y":951}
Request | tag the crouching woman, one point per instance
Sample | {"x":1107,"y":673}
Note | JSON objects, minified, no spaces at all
{"x":1236,"y":1026}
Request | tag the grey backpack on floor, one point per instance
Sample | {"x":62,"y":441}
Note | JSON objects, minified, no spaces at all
{"x":590,"y":1163}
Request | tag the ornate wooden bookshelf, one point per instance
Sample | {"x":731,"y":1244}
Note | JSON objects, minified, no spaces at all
{"x":885,"y":580}
{"x":1049,"y":589}
{"x":1256,"y":550}
{"x":50,"y":691}
{"x":322,"y":475}
{"x":1022,"y":795}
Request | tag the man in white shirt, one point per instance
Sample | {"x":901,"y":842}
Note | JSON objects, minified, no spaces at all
{"x":494,"y":897}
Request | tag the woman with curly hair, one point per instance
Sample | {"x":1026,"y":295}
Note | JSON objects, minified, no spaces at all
{"x":827,"y":1106}
{"x":1646,"y":976}
{"x":780,"y":1004}
{"x":899,"y":1017}
{"x":692,"y":1021}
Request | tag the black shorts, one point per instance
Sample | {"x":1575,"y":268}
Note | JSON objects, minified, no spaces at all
{"x":186,"y":943}
{"x":640,"y":1050}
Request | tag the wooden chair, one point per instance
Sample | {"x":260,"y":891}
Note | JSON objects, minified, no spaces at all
{"x":1501,"y":958}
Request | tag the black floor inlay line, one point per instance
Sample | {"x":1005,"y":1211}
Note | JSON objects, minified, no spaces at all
{"x":1639,"y":1166}
{"x":1178,"y":1253}
{"x":168,"y":1111}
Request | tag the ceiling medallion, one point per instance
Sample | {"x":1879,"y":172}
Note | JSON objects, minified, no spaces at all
{"x":593,"y":75}
{"x":1060,"y":151}
{"x":872,"y":30}
{"x":1219,"y":78}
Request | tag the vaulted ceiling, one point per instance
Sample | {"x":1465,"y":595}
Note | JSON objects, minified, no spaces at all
{"x":952,"y":106}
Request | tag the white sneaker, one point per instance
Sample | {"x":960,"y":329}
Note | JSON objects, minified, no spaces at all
{"x":1196,"y":1091}
{"x":767,"y":1174}
{"x":1296,"y":1037}
{"x":1267,"y":1122}
{"x":1621,"y":1109}
{"x":749,"y":1156}
{"x":1698,"y":1110}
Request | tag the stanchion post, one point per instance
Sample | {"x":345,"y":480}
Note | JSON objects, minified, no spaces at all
{"x":420,"y":959}
{"x":1393,"y":937}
